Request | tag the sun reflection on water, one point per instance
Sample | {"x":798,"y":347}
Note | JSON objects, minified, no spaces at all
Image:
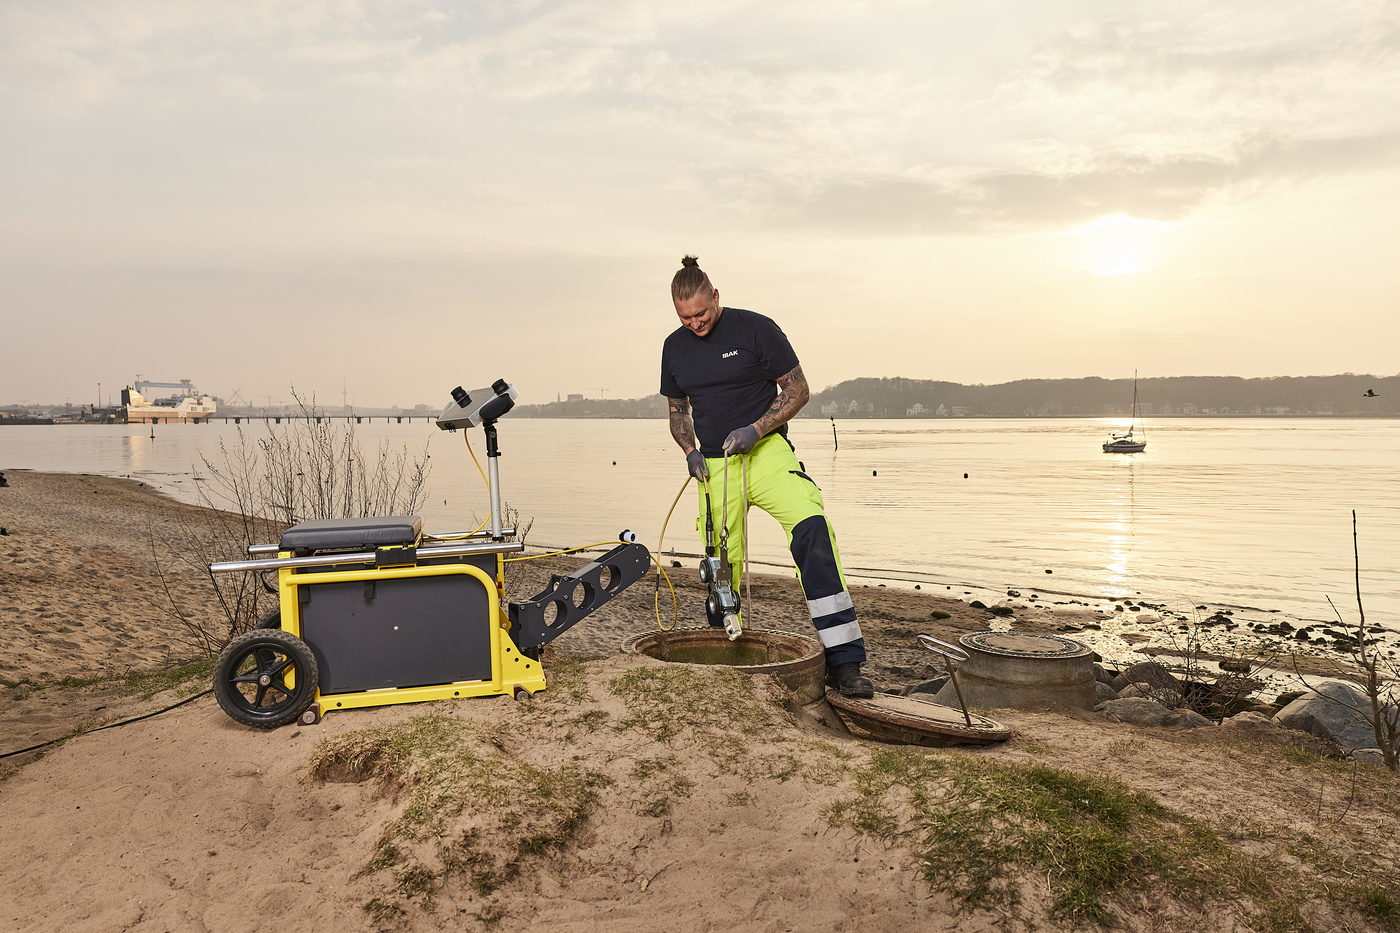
{"x":1120,"y":517}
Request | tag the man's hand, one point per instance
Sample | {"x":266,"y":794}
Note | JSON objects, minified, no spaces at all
{"x":695,"y":463}
{"x":741,"y":440}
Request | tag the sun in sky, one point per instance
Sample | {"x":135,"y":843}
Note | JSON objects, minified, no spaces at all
{"x":1119,"y":245}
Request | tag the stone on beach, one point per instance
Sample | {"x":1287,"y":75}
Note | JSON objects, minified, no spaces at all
{"x":1334,"y":710}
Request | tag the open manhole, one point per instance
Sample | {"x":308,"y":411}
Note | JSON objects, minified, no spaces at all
{"x":796,"y":660}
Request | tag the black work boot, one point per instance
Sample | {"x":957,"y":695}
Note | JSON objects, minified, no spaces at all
{"x":847,"y":679}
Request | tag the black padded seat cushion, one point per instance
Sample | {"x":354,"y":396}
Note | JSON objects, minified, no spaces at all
{"x":359,"y":533}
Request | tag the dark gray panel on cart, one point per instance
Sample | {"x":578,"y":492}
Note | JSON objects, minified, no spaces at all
{"x":360,"y":533}
{"x":406,"y":632}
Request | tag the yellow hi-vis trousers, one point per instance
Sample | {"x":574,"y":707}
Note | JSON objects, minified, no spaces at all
{"x":778,"y":486}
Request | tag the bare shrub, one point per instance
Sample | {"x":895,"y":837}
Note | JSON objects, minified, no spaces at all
{"x":313,"y":467}
{"x":307,"y":468}
{"x":1379,"y":674}
{"x":1215,"y":681}
{"x":516,"y":572}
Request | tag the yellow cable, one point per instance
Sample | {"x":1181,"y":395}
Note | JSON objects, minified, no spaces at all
{"x":672,"y":509}
{"x":660,"y":570}
{"x":566,"y":551}
{"x":466,"y":436}
{"x":675,"y":604}
{"x":656,"y":601}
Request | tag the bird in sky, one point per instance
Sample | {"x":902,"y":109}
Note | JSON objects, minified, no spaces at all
{"x":1370,"y":393}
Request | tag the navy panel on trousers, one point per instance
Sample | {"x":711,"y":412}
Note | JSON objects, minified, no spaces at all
{"x":821,"y":583}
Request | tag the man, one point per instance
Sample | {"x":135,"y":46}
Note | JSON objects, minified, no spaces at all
{"x":732,"y":382}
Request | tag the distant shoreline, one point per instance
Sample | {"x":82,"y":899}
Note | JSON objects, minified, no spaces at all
{"x":1344,"y":395}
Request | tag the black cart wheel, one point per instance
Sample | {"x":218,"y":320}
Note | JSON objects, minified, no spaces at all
{"x":271,"y":619}
{"x":266,"y":678}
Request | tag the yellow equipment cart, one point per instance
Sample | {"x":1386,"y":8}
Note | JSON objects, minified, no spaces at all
{"x":373,"y":611}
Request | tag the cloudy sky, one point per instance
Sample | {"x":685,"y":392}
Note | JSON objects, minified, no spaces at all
{"x":392,"y":198}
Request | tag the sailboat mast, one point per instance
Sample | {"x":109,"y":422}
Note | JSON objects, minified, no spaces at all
{"x":1134,"y":425}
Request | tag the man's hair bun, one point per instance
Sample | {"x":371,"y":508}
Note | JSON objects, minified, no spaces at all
{"x":690,"y":279}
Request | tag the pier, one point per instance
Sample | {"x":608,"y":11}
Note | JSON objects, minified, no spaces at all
{"x":358,"y":419}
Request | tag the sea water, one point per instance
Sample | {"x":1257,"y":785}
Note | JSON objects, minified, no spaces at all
{"x":1236,"y":512}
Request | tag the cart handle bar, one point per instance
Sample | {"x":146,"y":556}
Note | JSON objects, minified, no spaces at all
{"x":255,"y":549}
{"x":361,"y":557}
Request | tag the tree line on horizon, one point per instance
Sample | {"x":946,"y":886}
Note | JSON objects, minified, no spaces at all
{"x":1343,"y":395}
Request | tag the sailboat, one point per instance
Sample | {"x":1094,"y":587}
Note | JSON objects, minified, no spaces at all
{"x":1127,"y":443}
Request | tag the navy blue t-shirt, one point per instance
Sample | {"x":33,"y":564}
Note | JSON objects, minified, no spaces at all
{"x":729,"y":375}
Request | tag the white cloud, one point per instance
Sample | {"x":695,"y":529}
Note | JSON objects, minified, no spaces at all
{"x":1214,"y":79}
{"x":260,"y":135}
{"x":1116,"y":184}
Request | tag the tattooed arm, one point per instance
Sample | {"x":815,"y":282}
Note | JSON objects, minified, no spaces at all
{"x":682,"y":426}
{"x":793,"y":393}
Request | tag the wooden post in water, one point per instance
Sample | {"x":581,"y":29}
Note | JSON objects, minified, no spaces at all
{"x":834,"y":441}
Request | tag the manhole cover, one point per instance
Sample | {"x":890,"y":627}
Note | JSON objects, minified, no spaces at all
{"x":1024,"y":645}
{"x":916,"y":722}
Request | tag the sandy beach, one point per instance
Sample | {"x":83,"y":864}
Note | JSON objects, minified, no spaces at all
{"x":190,"y":821}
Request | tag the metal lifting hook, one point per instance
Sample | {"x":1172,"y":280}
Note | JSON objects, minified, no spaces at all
{"x":950,"y":654}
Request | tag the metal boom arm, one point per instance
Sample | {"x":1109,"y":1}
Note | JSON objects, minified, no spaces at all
{"x":554,"y":610}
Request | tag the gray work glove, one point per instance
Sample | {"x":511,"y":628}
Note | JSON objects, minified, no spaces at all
{"x":695,"y":463}
{"x":741,"y":440}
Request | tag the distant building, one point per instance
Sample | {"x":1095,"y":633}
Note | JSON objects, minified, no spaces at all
{"x":575,"y":396}
{"x":917,"y":409}
{"x":941,"y":411}
{"x":831,"y":409}
{"x":961,"y":411}
{"x":860,"y":406}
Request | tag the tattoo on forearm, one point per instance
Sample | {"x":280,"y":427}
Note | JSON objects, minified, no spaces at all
{"x":793,"y":394}
{"x":682,"y":426}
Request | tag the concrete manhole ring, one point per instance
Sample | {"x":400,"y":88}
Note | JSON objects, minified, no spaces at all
{"x":1025,"y":645}
{"x":797,"y":660}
